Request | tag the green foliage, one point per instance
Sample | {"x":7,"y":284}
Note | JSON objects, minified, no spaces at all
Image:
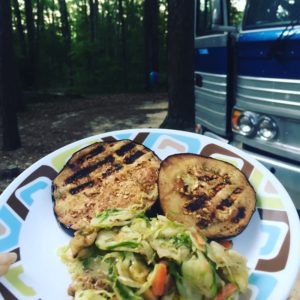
{"x":236,"y":12}
{"x":89,"y":64}
{"x":235,"y":16}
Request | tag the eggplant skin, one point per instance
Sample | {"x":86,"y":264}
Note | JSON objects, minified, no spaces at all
{"x":211,"y":195}
{"x":105,"y":175}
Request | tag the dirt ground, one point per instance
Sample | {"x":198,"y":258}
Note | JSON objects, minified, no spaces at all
{"x":49,"y":125}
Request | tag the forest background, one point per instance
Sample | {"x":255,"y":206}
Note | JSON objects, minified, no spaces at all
{"x":88,"y":45}
{"x":102,"y":46}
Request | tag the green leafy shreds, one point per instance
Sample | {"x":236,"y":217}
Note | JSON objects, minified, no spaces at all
{"x":112,"y":276}
{"x":106,"y":214}
{"x":175,"y":272}
{"x":115,"y":218}
{"x":127,"y":244}
{"x":88,"y":255}
{"x":103,"y":216}
{"x":215,"y":281}
{"x":125,"y":293}
{"x":92,"y":294}
{"x":182,"y":239}
{"x":86,"y":262}
{"x":142,"y":215}
{"x":110,"y":211}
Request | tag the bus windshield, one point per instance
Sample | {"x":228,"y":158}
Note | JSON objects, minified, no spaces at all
{"x":270,"y":13}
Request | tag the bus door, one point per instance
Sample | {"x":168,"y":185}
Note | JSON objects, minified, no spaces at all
{"x":213,"y":66}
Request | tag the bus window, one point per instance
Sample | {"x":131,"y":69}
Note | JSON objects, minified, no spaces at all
{"x":203,"y":17}
{"x":270,"y":13}
{"x":208,"y":13}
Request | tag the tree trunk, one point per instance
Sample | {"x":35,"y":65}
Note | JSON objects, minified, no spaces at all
{"x":66,"y":32}
{"x":40,"y":30}
{"x":11,"y":138}
{"x":94,"y":12}
{"x":151,"y":13}
{"x":181,"y":110}
{"x":109,"y":37}
{"x":65,"y":26}
{"x":96,"y":17}
{"x":54,"y":18}
{"x":124,"y":55}
{"x":22,"y":68}
{"x":84,"y":9}
{"x":31,"y":67}
{"x":20,"y":28}
{"x":40,"y":18}
{"x":92,"y":20}
{"x":92,"y":56}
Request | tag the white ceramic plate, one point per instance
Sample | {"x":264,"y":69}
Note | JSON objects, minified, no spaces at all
{"x":28,"y":226}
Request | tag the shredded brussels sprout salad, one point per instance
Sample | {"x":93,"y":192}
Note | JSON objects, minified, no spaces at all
{"x":128,"y":256}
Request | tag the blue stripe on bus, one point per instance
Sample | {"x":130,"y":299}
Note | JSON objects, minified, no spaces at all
{"x":269,"y":35}
{"x":269,"y":54}
{"x":214,"y":60}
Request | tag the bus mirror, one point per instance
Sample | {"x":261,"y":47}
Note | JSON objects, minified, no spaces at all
{"x":217,"y":15}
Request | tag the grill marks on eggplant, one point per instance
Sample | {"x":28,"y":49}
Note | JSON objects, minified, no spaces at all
{"x":86,"y":171}
{"x":202,"y":223}
{"x":241,"y":213}
{"x":196,"y":203}
{"x":206,"y":205}
{"x":110,"y":171}
{"x":126,"y":154}
{"x":81,"y":187}
{"x":127,"y":147}
{"x":97,"y":150}
{"x":210,"y":194}
{"x":225,"y":203}
{"x":114,"y":174}
{"x":132,"y":158}
{"x":218,"y":183}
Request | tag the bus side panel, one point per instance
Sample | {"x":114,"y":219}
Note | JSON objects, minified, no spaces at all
{"x":273,"y":53}
{"x":211,"y":69}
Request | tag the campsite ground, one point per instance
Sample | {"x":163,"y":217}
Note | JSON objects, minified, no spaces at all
{"x":57,"y":121}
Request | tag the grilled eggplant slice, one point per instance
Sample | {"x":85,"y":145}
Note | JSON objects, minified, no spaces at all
{"x":206,"y":193}
{"x":105,"y":175}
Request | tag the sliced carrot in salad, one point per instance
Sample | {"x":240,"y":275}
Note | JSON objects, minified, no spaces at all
{"x":199,"y":239}
{"x":227,"y":291}
{"x":226,"y":243}
{"x":160,"y":280}
{"x":148,"y":295}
